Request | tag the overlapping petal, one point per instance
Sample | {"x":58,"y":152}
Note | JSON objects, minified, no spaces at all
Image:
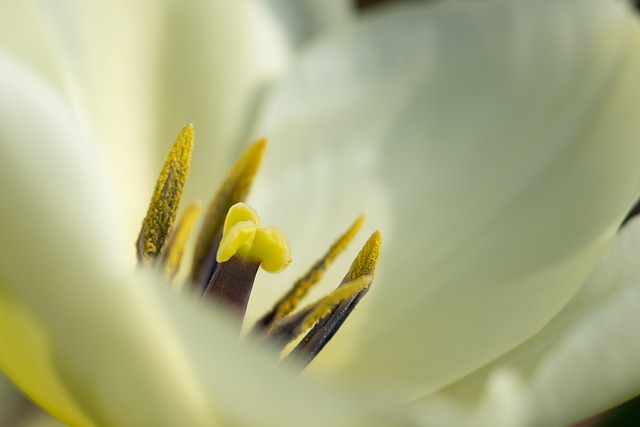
{"x":585,"y":360}
{"x":494,"y":142}
{"x":594,"y":365}
{"x":46,"y":171}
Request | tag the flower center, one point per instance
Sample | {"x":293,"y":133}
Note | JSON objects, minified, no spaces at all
{"x":232,"y":245}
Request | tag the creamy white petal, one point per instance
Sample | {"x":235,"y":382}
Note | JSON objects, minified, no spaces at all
{"x":54,"y":207}
{"x":94,"y":343}
{"x":140,"y":71}
{"x":494,"y":143}
{"x":133,"y":355}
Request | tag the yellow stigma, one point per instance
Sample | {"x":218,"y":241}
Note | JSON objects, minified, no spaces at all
{"x":158,"y":223}
{"x":243,"y":235}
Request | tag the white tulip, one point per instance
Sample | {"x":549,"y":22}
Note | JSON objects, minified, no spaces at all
{"x":495,"y":143}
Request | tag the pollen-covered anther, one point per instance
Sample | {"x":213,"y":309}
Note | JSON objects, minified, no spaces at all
{"x":173,"y":251}
{"x":326,"y":305}
{"x":288,"y":303}
{"x":161,"y":214}
{"x":245,"y":246}
{"x":327,"y":316}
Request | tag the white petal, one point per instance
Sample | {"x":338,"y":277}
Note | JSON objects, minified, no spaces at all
{"x":140,"y":71}
{"x":54,"y":211}
{"x":94,"y":345}
{"x":495,"y":145}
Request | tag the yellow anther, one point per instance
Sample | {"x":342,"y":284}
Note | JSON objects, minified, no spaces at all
{"x":325,"y":317}
{"x":171,"y":257}
{"x":367,"y":260}
{"x":161,"y":214}
{"x":325,"y":306}
{"x":244,"y":236}
{"x":234,"y":189}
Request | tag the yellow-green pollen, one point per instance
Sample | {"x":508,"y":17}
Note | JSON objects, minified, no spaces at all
{"x":161,"y":214}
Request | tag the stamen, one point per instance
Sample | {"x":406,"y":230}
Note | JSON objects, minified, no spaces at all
{"x":245,"y":246}
{"x":157,"y":225}
{"x":234,"y":190}
{"x":367,"y":259}
{"x":288,"y":303}
{"x":363,"y":266}
{"x":288,"y":331}
{"x":325,"y":306}
{"x":173,"y":251}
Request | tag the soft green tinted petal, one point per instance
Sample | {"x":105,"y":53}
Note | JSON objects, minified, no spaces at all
{"x":494,"y":143}
{"x":594,"y":366}
{"x":305,"y":19}
{"x":586,"y":359}
{"x":96,"y":346}
{"x":503,"y":403}
{"x":139,"y":71}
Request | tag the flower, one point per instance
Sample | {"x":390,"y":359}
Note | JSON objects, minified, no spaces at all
{"x":478,"y":136}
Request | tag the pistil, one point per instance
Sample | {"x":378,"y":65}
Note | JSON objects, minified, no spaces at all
{"x":244,"y":247}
